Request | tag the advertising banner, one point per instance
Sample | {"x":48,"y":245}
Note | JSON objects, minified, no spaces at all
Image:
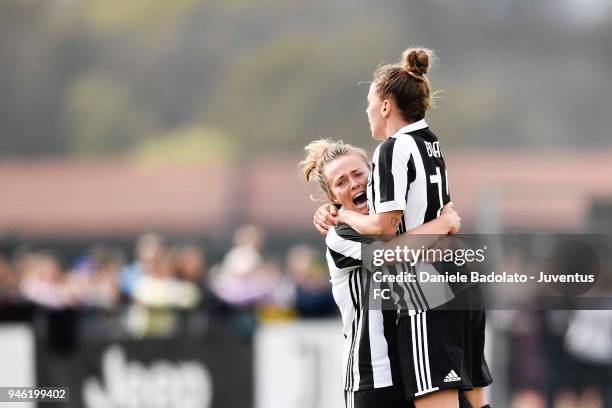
{"x":205,"y":372}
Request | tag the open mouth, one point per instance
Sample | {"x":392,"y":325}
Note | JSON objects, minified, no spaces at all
{"x":360,"y":199}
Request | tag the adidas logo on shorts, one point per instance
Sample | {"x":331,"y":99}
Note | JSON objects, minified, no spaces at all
{"x":452,"y":377}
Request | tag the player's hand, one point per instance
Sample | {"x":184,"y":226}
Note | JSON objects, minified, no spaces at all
{"x":325,"y":218}
{"x":342,"y":216}
{"x":452,"y":218}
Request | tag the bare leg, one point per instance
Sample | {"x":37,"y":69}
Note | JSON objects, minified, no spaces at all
{"x":566,"y":399}
{"x":528,"y":399}
{"x":477,"y":397}
{"x":591,"y":398}
{"x":441,"y":399}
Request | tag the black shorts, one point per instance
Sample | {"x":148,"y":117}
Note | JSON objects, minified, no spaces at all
{"x":442,"y":349}
{"x":386,"y":397}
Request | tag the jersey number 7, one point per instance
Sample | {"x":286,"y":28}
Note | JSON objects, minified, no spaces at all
{"x":437,"y":179}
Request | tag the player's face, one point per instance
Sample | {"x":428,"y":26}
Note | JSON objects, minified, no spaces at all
{"x":375,"y":117}
{"x":348,"y":176}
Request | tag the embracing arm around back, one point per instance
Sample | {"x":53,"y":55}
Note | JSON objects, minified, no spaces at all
{"x":386,"y":224}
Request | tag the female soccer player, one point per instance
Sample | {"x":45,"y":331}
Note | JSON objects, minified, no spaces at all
{"x":370,"y":359}
{"x":441,"y":351}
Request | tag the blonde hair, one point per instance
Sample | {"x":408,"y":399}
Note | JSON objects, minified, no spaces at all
{"x":319,"y":153}
{"x":406,"y":83}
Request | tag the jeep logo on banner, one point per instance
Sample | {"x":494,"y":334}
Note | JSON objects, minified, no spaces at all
{"x":210,"y":371}
{"x":161,"y":384}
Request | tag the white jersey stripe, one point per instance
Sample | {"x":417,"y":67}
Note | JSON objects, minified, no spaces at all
{"x":415,"y":305}
{"x":446,"y":176}
{"x":437,"y":179}
{"x":416,"y":204}
{"x":379,"y":347}
{"x":414,"y":356}
{"x":342,"y":246}
{"x":426,"y":350}
{"x":349,"y":363}
{"x":355,"y":294}
{"x":418,"y":323}
{"x":419,"y":331}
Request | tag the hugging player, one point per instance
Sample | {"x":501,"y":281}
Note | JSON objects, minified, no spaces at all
{"x":371,"y":366}
{"x":441,"y":351}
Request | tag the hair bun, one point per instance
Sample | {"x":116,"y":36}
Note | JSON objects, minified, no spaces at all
{"x":416,"y":60}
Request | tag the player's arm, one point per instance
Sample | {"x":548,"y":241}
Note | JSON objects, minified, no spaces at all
{"x":449,"y":222}
{"x":374,"y":224}
{"x":328,"y":216}
{"x":429,"y":235}
{"x":386,"y":224}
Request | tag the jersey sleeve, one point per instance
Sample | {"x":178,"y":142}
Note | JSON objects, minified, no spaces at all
{"x":344,"y":245}
{"x":392,"y":166}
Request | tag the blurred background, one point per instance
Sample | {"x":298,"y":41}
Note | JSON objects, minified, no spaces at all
{"x":156,"y":242}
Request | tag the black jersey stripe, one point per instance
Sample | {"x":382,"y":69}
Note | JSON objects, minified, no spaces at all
{"x":423,"y":297}
{"x":373,"y":188}
{"x":418,"y":291}
{"x":385,"y":160}
{"x":413,"y":299}
{"x":349,"y":372}
{"x":355,"y":326}
{"x":348,"y":375}
{"x":347,"y":232}
{"x":426,"y":350}
{"x":358,"y":289}
{"x":352,"y":289}
{"x":360,"y":317}
{"x":402,"y":226}
{"x":430,"y":164}
{"x":366,"y":377}
{"x":410,"y":292}
{"x":355,"y":290}
{"x":343,"y":261}
{"x":416,"y":353}
{"x":402,"y":301}
{"x":411,"y":175}
{"x":389,"y":325}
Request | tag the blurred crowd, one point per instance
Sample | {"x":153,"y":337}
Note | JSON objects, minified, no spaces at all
{"x":554,"y":358}
{"x":558,"y":356}
{"x":550,"y":358}
{"x":166,"y":287}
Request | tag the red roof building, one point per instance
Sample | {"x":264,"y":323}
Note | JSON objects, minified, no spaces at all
{"x":535,"y":190}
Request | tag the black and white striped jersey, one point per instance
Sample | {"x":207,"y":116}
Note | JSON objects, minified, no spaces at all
{"x":408,"y":173}
{"x":370,"y":357}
